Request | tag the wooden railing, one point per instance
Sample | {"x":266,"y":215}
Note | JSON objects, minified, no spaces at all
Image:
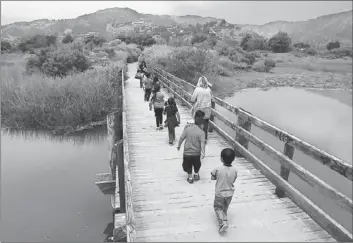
{"x":117,"y":183}
{"x":124,"y":225}
{"x":183,"y":91}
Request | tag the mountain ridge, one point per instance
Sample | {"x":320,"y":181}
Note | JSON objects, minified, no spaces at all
{"x":328,"y":27}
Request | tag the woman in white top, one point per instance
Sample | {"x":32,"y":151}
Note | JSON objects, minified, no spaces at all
{"x":201,"y":98}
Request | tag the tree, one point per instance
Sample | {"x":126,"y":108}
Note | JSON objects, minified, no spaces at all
{"x":301,"y":45}
{"x":280,"y":43}
{"x":96,"y":40}
{"x":67,"y":39}
{"x":198,"y":38}
{"x":5,"y":46}
{"x":245,"y":39}
{"x":333,"y":45}
{"x":37,"y":41}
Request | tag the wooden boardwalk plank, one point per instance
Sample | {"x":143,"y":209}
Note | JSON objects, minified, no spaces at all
{"x":168,"y":208}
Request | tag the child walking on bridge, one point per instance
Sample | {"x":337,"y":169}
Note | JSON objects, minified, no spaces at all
{"x":157,"y":101}
{"x":173,"y":118}
{"x":148,"y":83}
{"x":194,"y":148}
{"x":225,"y":176}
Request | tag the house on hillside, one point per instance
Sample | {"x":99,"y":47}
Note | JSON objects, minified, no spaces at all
{"x":138,"y":23}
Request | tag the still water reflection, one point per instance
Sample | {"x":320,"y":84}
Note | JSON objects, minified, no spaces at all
{"x":323,"y":119}
{"x":47,"y":187}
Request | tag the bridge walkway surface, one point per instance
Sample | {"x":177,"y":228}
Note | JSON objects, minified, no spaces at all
{"x":167,"y":208}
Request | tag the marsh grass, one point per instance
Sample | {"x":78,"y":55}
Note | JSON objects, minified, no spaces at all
{"x":38,"y":101}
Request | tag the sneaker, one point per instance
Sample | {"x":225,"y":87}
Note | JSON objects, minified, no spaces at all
{"x":160,"y":127}
{"x":170,"y":143}
{"x":223,"y":228}
{"x":197,"y":177}
{"x":190,"y":180}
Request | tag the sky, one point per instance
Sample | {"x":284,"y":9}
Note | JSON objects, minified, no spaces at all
{"x":236,"y":12}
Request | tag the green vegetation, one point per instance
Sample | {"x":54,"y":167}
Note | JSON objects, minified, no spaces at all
{"x":65,"y":81}
{"x":223,"y":56}
{"x":333,"y":45}
{"x":58,"y":62}
{"x":67,"y":39}
{"x":5,"y":46}
{"x":280,"y":43}
{"x":138,"y":39}
{"x":40,"y":102}
{"x":52,"y":85}
{"x":37,"y":41}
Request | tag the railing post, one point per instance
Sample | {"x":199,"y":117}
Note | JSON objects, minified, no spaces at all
{"x":289,"y":152}
{"x":121,"y":175}
{"x":112,"y":127}
{"x":244,"y":123}
{"x":210,"y":127}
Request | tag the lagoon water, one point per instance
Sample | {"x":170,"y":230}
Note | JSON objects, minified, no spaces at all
{"x":47,"y":183}
{"x":47,"y":187}
{"x":322,"y":118}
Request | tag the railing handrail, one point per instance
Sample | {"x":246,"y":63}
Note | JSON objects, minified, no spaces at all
{"x":324,"y":220}
{"x":287,"y":162}
{"x":334,"y":163}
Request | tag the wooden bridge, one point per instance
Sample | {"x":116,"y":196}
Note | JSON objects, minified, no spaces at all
{"x":154,"y":202}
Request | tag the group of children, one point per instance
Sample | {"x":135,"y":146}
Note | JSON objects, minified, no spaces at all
{"x":194,"y":147}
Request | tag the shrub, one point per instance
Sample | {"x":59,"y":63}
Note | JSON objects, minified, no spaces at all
{"x":37,"y":41}
{"x":333,"y":45}
{"x":187,"y":63}
{"x":280,"y":43}
{"x":157,"y":54}
{"x":121,"y":55}
{"x":58,"y":63}
{"x":225,"y":62}
{"x":223,"y":71}
{"x":264,"y":66}
{"x":33,"y":64}
{"x":270,"y":63}
{"x":67,"y":39}
{"x":241,"y":66}
{"x":301,"y":45}
{"x":341,"y":52}
{"x":245,"y":39}
{"x":115,"y":42}
{"x":6,"y":46}
{"x":179,"y":42}
{"x":198,"y":38}
{"x":310,"y":51}
{"x":95,"y":40}
{"x":110,"y":51}
{"x":139,"y":39}
{"x":249,"y":58}
{"x":233,"y":53}
{"x":255,"y":44}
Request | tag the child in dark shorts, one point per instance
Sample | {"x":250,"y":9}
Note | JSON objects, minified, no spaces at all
{"x":194,"y":147}
{"x":157,"y":101}
{"x":173,"y":118}
{"x":225,"y":176}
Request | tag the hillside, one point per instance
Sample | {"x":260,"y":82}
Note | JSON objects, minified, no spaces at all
{"x":100,"y":21}
{"x":109,"y":22}
{"x":317,"y":31}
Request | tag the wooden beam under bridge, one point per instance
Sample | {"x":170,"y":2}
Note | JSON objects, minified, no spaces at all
{"x":106,"y":181}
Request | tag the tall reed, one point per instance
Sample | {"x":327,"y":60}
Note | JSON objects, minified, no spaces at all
{"x":38,"y":101}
